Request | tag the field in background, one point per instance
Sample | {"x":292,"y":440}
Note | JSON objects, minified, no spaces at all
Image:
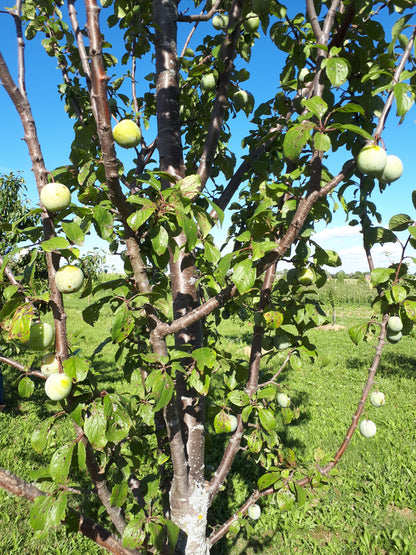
{"x":369,"y":508}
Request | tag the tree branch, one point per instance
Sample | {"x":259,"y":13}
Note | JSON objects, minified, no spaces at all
{"x":92,"y":530}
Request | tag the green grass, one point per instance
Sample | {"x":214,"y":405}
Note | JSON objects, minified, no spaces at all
{"x":369,"y":508}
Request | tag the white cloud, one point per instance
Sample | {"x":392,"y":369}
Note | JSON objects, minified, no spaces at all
{"x":337,"y":233}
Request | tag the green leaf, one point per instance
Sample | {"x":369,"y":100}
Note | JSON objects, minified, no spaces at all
{"x":268,"y":480}
{"x":244,"y":275}
{"x":190,"y":230}
{"x":47,"y":512}
{"x":410,"y":309}
{"x":162,"y":390}
{"x":355,"y":129}
{"x":351,"y":108}
{"x":55,"y":243}
{"x":95,"y":426}
{"x":139,"y":217}
{"x":61,"y":463}
{"x":76,"y":367}
{"x":19,"y":327}
{"x":204,"y":357}
{"x":400,"y":222}
{"x":316,"y":105}
{"x":337,"y":70}
{"x":82,"y":456}
{"x":123,"y":324}
{"x":404,"y":98}
{"x":357,"y":333}
{"x":133,"y":535}
{"x":39,"y":437}
{"x":380,"y":275}
{"x":119,"y":494}
{"x":239,"y":398}
{"x":26,"y":387}
{"x":321,"y":141}
{"x":267,"y":419}
{"x":104,"y":222}
{"x":287,"y":415}
{"x":73,"y":232}
{"x":295,"y":139}
{"x":172,"y":531}
{"x":160,"y":240}
{"x":398,"y":293}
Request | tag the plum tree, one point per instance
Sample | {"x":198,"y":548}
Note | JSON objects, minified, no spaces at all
{"x":203,"y":227}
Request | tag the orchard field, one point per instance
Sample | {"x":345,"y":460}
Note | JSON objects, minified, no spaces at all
{"x":370,"y":507}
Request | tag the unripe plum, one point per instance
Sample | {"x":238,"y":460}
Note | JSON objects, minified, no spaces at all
{"x":69,"y":279}
{"x":55,"y":197}
{"x":377,"y":398}
{"x":251,"y":22}
{"x":58,"y":386}
{"x":49,"y":365}
{"x":224,"y":422}
{"x":127,"y":133}
{"x":395,"y":324}
{"x":209,"y":82}
{"x":392,"y":170}
{"x":254,"y":511}
{"x":368,"y":428}
{"x":283,"y":400}
{"x":41,"y":336}
{"x":371,"y":160}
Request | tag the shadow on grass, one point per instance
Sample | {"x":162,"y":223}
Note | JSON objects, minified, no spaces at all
{"x":392,"y":365}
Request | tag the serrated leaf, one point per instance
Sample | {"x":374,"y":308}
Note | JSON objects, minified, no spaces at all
{"x":139,"y":217}
{"x":103,"y":221}
{"x":19,"y":325}
{"x":244,"y":276}
{"x":160,"y":240}
{"x":133,"y":535}
{"x":322,"y":142}
{"x":55,"y":243}
{"x":404,"y":98}
{"x":73,"y":232}
{"x":337,"y":70}
{"x":39,"y":437}
{"x":355,"y":129}
{"x":190,"y":230}
{"x":267,"y":419}
{"x":400,"y":222}
{"x":287,"y":415}
{"x":380,"y":275}
{"x":162,"y":390}
{"x":205,"y":357}
{"x":82,"y":456}
{"x":238,"y":398}
{"x":357,"y":333}
{"x":119,"y":494}
{"x":76,"y":367}
{"x":47,"y":512}
{"x":61,"y":463}
{"x":26,"y":387}
{"x":267,"y":480}
{"x":295,"y":140}
{"x":398,"y":293}
{"x":95,"y":426}
{"x":410,"y":309}
{"x":123,"y":324}
{"x":316,"y":105}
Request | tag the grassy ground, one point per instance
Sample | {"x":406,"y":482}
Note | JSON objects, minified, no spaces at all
{"x":369,"y":508}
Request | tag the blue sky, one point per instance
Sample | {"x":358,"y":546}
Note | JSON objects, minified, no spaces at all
{"x":55,"y":133}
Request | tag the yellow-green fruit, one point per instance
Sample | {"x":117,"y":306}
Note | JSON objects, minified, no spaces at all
{"x":377,"y":398}
{"x":40,"y":336}
{"x":371,"y":160}
{"x":127,"y":133}
{"x":58,"y":386}
{"x":220,"y":21}
{"x":251,"y":22}
{"x":392,"y":170}
{"x":273,"y":319}
{"x":306,"y":276}
{"x":254,"y":512}
{"x":283,"y":400}
{"x":224,"y":422}
{"x":209,"y":82}
{"x":55,"y":197}
{"x":69,"y":279}
{"x":49,"y":365}
{"x":241,"y":99}
{"x":394,"y":324}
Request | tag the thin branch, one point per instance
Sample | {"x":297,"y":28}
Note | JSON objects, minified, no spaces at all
{"x":396,"y":78}
{"x":313,"y":18}
{"x":21,"y":367}
{"x":90,"y":529}
{"x":201,"y":16}
{"x":221,"y":98}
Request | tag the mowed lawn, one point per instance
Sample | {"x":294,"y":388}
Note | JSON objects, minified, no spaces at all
{"x":369,"y":506}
